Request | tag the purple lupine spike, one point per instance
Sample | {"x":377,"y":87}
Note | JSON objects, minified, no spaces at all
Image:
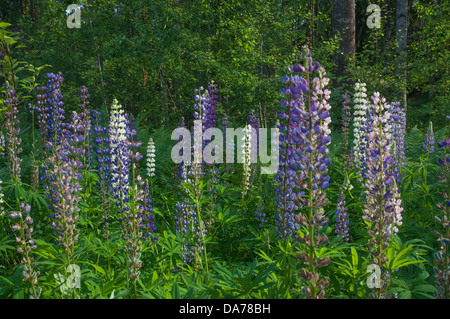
{"x":102,"y":163}
{"x":442,"y":217}
{"x":186,"y":223}
{"x":85,"y":122}
{"x":382,"y":207}
{"x":50,"y":118}
{"x":260,"y":215}
{"x":63,"y":182}
{"x":13,"y":141}
{"x":342,"y":217}
{"x":312,"y":133}
{"x":284,"y":217}
{"x":346,"y":118}
{"x":25,"y":244}
{"x":397,"y":121}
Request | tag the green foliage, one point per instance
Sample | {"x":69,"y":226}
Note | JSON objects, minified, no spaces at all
{"x":152,"y":55}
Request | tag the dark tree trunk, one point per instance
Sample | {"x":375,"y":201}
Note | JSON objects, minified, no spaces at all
{"x":401,"y":37}
{"x":343,"y":25}
{"x":387,"y":24}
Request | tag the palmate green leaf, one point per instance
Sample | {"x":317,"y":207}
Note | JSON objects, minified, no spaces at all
{"x":354,"y":257}
{"x":98,"y":268}
{"x":4,"y":25}
{"x":402,"y":258}
{"x":5,"y":244}
{"x":45,"y":249}
{"x":6,"y":281}
{"x":175,"y":292}
{"x":262,"y":275}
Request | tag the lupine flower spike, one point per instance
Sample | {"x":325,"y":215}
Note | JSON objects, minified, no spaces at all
{"x":13,"y":141}
{"x":102,"y":168}
{"x":442,"y":257}
{"x":342,"y":217}
{"x":313,"y":136}
{"x":346,"y":118}
{"x":360,"y":127}
{"x":25,"y":243}
{"x":382,"y":208}
{"x":397,"y":121}
{"x":151,"y":158}
{"x":2,"y":202}
{"x":246,"y":149}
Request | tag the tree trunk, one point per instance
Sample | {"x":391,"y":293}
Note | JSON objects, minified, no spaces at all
{"x":401,"y":37}
{"x":387,"y":24}
{"x":343,"y":25}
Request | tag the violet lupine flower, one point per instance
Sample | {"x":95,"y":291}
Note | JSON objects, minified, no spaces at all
{"x":397,"y":121}
{"x":132,"y":143}
{"x":54,"y":112}
{"x":135,"y":215}
{"x":442,"y":257}
{"x":360,"y":128}
{"x":187,"y":224}
{"x":260,"y":215}
{"x":289,"y":143}
{"x":253,"y":122}
{"x":25,"y":243}
{"x":346,"y":118}
{"x":224,"y":124}
{"x":428,"y":143}
{"x":210,"y":121}
{"x":151,"y":158}
{"x":147,"y":218}
{"x":50,"y":118}
{"x":205,"y":108}
{"x":342,"y":217}
{"x":63,"y":182}
{"x":382,"y":205}
{"x":102,"y":163}
{"x":85,"y":122}
{"x":210,"y":107}
{"x":313,"y":136}
{"x":12,"y":131}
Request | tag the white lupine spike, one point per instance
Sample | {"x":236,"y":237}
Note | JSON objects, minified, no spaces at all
{"x":360,"y":116}
{"x":151,"y":158}
{"x":2,"y":208}
{"x":247,"y":158}
{"x":118,"y":137}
